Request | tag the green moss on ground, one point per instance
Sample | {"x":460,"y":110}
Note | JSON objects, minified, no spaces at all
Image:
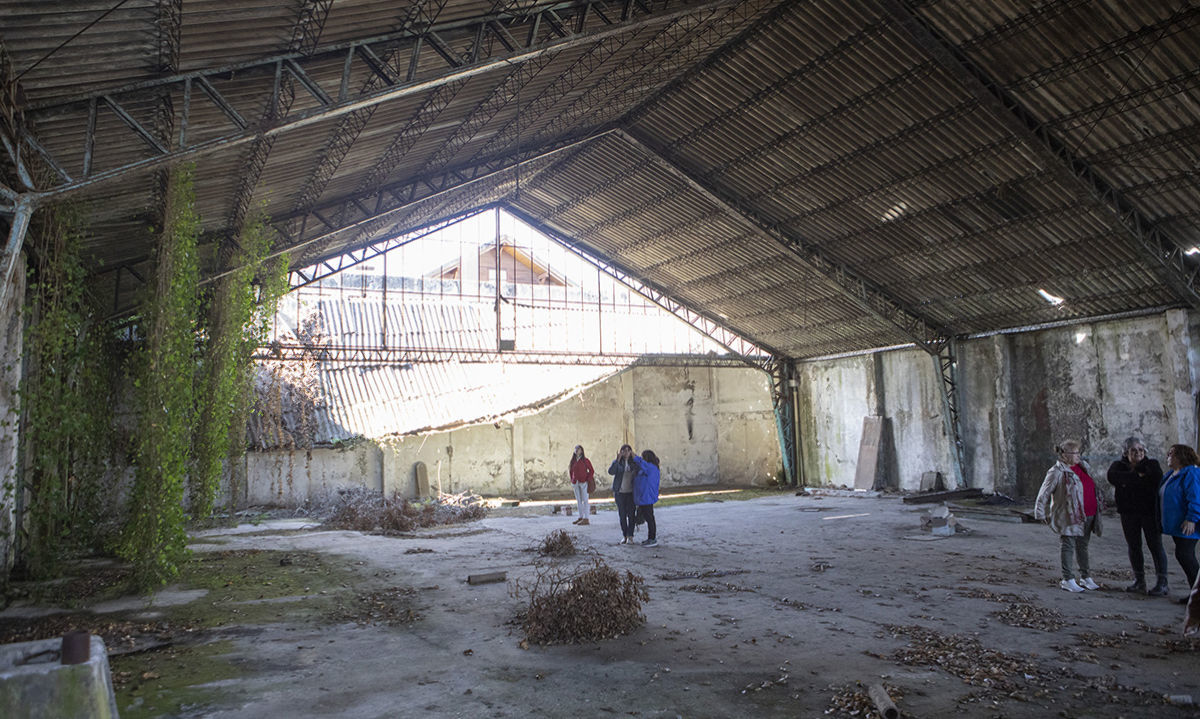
{"x":172,"y":682}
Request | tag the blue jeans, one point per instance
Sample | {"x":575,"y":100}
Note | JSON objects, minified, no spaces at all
{"x":625,"y":512}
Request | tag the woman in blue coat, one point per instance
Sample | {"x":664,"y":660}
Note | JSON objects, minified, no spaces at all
{"x":1180,"y":498}
{"x":645,"y":492}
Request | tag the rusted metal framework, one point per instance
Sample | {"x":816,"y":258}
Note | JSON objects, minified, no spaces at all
{"x":814,"y":178}
{"x":354,"y":355}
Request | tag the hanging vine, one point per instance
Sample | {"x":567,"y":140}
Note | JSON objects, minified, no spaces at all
{"x":236,"y":323}
{"x":164,"y":374}
{"x":66,"y":400}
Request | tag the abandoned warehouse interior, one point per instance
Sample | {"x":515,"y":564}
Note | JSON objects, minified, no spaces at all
{"x":920,"y":241}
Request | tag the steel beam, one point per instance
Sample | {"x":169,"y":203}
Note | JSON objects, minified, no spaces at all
{"x":714,"y":330}
{"x":462,"y":32}
{"x":22,"y":214}
{"x":670,"y":44}
{"x":358,"y":355}
{"x":319,"y":271}
{"x":423,"y":12}
{"x":1160,"y":250}
{"x":866,"y":294}
{"x":946,"y":365}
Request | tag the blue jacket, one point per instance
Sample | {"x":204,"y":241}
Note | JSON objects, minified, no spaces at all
{"x":616,"y":469}
{"x":645,"y":484}
{"x":1180,"y":493}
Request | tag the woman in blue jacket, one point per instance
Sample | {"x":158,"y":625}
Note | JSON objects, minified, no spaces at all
{"x":645,"y":492}
{"x":1180,"y":497}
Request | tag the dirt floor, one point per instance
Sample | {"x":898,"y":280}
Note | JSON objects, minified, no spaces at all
{"x":780,"y":606}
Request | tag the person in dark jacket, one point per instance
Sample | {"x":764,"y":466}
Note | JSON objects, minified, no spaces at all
{"x":1180,"y":498}
{"x":1136,"y":478}
{"x":623,"y":470}
{"x":645,"y":493}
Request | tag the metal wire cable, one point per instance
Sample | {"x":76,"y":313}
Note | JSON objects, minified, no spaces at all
{"x":64,"y":43}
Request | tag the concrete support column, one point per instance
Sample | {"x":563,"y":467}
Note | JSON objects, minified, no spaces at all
{"x":1178,"y":356}
{"x":12,"y":339}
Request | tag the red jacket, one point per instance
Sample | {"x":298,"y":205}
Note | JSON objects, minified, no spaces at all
{"x":581,"y":471}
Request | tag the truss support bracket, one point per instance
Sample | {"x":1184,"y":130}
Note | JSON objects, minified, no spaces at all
{"x":945,"y":363}
{"x":22,"y":213}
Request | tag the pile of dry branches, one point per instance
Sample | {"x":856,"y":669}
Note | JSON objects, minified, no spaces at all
{"x":557,"y":544}
{"x":365,"y":510}
{"x":586,"y":604}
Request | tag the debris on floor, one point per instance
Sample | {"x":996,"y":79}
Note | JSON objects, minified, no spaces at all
{"x":941,"y":523}
{"x":585,"y":604}
{"x":557,"y":544}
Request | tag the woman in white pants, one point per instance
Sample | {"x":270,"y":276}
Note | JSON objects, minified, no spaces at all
{"x":581,"y":479}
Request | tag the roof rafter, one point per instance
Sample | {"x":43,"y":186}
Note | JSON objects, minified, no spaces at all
{"x":1162,"y":251}
{"x":873,"y":299}
{"x":345,"y":100}
{"x":749,"y":352}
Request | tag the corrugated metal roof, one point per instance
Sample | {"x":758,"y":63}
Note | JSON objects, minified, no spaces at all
{"x":382,"y":400}
{"x":829,"y":176}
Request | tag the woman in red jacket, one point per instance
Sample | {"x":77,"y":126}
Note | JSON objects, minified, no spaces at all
{"x":581,"y":478}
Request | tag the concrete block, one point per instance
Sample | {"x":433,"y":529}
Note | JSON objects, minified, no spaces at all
{"x":943,"y":531}
{"x":34,"y":683}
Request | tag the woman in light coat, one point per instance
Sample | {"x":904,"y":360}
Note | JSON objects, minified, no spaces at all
{"x":1070,"y":503}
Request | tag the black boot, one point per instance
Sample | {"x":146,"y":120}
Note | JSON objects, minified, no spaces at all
{"x":1160,"y":587}
{"x":1139,"y":584}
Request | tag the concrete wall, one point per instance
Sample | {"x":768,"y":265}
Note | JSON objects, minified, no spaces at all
{"x":1019,"y":395}
{"x":11,"y":344}
{"x":708,"y":425}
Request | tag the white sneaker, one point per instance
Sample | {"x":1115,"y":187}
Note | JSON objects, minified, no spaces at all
{"x":1070,"y":585}
{"x":1088,"y":583}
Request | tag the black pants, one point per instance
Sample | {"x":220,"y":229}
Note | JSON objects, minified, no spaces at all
{"x":1185,"y":552}
{"x":1135,"y":526}
{"x":647,"y":511}
{"x":625,"y":511}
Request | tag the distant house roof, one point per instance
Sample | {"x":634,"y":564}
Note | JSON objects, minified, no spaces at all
{"x":523,"y":267}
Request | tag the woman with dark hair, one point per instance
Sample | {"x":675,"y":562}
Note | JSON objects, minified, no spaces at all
{"x":645,"y":493}
{"x":1069,"y":502}
{"x":1180,"y":501}
{"x":581,"y":478}
{"x":623,"y":469}
{"x":1136,"y":478}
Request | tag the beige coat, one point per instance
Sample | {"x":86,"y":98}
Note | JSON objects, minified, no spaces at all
{"x":1060,"y":501}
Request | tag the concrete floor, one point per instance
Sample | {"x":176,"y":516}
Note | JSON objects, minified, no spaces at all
{"x":830,"y":596}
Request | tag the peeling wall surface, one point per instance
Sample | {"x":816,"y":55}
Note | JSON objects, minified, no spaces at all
{"x":288,"y":478}
{"x":1019,"y":395}
{"x":708,"y":425}
{"x":11,"y":344}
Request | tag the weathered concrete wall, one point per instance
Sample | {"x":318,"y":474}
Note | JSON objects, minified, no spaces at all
{"x":289,"y":478}
{"x":11,"y":345}
{"x":707,"y":425}
{"x":1019,"y":395}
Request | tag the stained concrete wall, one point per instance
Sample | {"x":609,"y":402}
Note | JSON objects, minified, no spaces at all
{"x":1019,"y":394}
{"x":708,"y":425}
{"x":11,"y":344}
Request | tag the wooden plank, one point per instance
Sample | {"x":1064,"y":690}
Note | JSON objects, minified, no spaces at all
{"x":489,"y":578}
{"x":971,"y":493}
